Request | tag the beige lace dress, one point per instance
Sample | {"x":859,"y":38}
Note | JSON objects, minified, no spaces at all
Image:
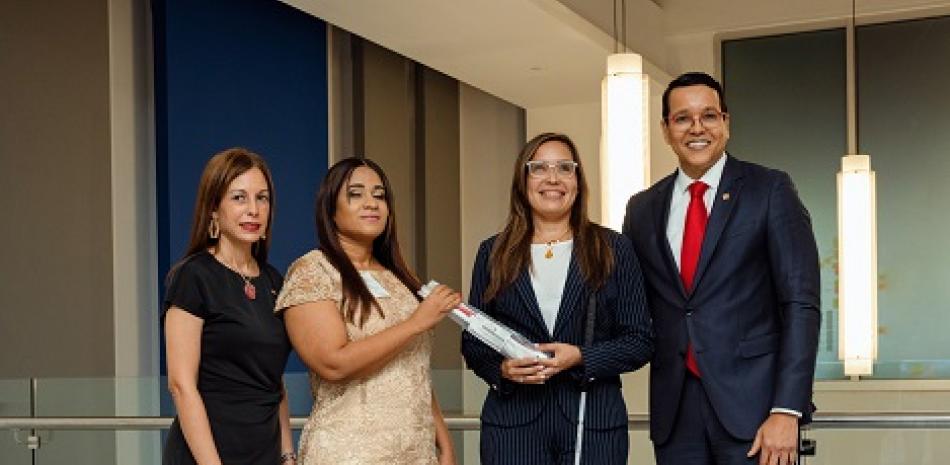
{"x":385,"y":418}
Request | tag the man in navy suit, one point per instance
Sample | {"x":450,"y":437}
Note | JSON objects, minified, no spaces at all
{"x":732,"y":281}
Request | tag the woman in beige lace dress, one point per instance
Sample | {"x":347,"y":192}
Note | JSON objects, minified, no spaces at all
{"x":352,"y":315}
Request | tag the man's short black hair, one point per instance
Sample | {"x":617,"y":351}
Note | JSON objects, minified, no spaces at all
{"x":693,"y":78}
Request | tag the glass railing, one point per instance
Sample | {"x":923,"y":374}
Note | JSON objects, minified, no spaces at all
{"x":120,"y":421}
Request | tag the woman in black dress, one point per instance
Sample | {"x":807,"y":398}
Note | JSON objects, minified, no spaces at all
{"x":226,"y":351}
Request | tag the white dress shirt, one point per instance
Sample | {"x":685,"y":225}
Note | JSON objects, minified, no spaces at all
{"x":548,"y":276}
{"x":680,"y":203}
{"x":676,"y":222}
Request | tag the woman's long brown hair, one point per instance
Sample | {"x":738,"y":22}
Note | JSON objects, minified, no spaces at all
{"x":358,"y":302}
{"x":218,"y":174}
{"x":511,"y":253}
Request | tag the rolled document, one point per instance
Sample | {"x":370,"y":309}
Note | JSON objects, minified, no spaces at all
{"x":503,"y":339}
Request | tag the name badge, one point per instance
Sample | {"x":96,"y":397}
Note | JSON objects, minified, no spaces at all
{"x":373,"y":285}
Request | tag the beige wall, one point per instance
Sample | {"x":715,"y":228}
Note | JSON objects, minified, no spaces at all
{"x":693,"y":52}
{"x":581,"y":122}
{"x":79,"y":282}
{"x":55,"y":165}
{"x":491,"y":133}
{"x":885,"y":446}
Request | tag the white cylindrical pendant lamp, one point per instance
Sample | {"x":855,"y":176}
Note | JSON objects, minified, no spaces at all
{"x":625,"y":136}
{"x":857,"y":265}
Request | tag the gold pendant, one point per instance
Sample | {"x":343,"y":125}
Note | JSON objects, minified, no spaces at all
{"x":549,"y":253}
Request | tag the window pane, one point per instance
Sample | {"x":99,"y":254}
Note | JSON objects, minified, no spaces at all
{"x":787,"y":104}
{"x":903,"y":97}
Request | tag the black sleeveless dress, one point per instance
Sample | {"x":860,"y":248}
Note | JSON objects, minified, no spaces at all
{"x":244,"y":349}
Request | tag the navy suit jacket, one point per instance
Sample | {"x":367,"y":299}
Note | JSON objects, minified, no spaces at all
{"x":753,"y":315}
{"x":622,"y":341}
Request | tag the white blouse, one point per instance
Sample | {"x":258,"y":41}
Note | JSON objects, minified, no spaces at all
{"x":548,"y":276}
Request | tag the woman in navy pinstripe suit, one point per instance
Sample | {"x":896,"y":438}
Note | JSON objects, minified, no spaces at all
{"x":538,"y":276}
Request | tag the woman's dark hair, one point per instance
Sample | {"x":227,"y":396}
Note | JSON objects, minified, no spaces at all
{"x":218,"y":174}
{"x":511,"y":253}
{"x":358,"y":302}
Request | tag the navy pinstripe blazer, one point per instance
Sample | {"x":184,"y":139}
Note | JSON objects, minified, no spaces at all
{"x":622,"y":341}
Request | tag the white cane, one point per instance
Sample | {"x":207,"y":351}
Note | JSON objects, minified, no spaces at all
{"x":582,"y":405}
{"x":580,"y":428}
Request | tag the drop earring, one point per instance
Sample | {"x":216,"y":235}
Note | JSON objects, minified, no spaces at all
{"x":213,"y":229}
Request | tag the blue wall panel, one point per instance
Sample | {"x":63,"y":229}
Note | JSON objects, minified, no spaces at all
{"x":248,"y":73}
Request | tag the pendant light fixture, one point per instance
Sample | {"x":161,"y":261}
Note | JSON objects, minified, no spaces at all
{"x":857,"y":242}
{"x":625,"y":135}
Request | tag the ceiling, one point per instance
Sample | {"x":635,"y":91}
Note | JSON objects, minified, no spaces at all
{"x":693,"y":16}
{"x":533,"y":53}
{"x":537,"y":53}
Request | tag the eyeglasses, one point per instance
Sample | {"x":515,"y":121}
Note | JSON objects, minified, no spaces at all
{"x":709,"y":119}
{"x":543,"y":169}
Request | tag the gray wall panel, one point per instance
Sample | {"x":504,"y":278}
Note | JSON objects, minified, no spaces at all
{"x":388,"y":137}
{"x":442,"y":214}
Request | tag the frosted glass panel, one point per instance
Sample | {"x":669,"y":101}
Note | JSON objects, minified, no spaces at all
{"x":903,"y":124}
{"x":787,"y":105}
{"x":787,"y":100}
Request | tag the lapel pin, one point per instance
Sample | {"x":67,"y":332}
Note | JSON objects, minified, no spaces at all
{"x":725,"y":196}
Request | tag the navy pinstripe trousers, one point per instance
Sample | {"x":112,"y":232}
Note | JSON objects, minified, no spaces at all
{"x":550,"y":440}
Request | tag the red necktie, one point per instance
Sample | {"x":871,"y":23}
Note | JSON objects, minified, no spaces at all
{"x":693,"y":233}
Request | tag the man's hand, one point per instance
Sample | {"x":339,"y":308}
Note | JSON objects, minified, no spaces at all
{"x":776,"y":442}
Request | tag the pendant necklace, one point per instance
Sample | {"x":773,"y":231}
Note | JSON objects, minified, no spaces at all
{"x":549,"y":253}
{"x":250,"y":291}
